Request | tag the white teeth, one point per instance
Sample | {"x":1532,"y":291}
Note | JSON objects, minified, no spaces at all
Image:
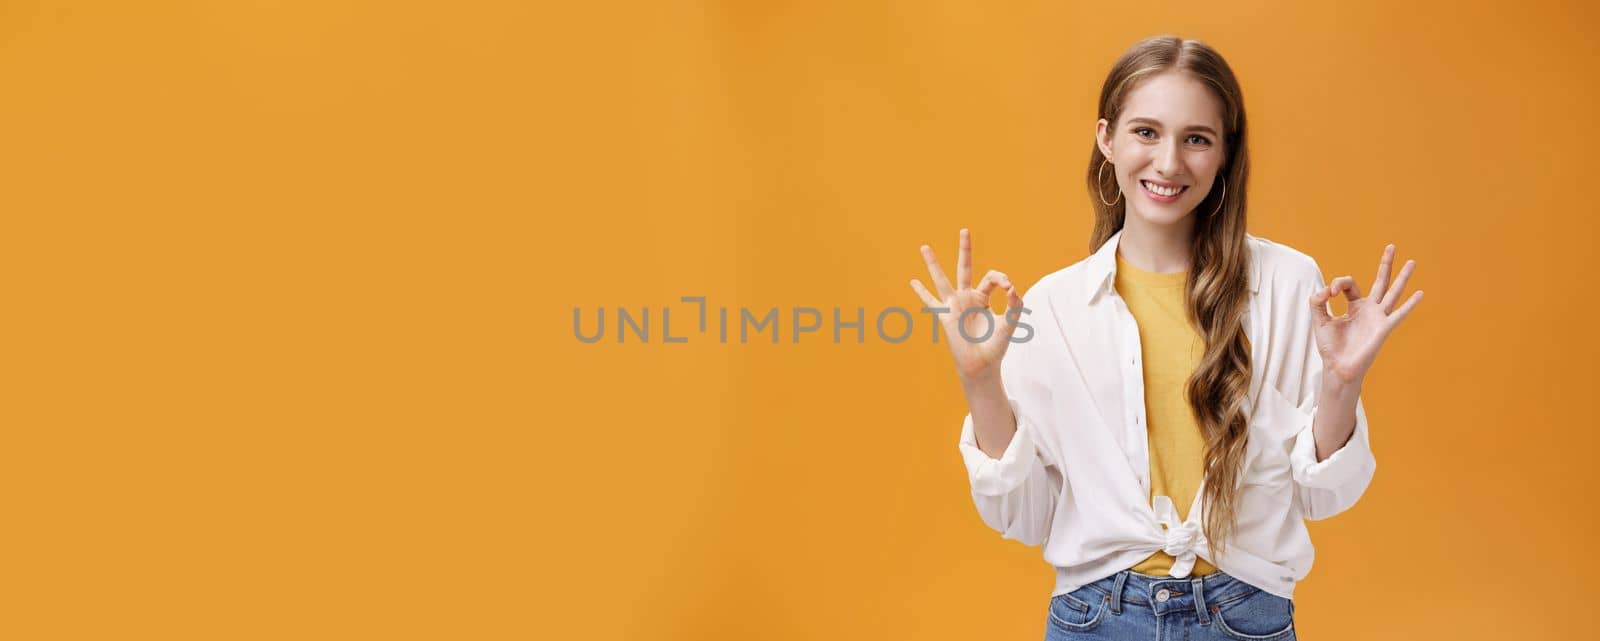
{"x":1159,"y":190}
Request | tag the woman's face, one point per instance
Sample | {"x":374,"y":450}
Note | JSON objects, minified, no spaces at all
{"x":1167,"y":138}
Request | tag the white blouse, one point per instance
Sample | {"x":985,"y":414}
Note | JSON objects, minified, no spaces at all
{"x":1076,"y":475}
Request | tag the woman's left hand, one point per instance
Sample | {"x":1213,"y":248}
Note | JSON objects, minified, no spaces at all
{"x":1349,"y":343}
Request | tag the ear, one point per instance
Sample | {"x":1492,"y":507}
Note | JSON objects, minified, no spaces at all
{"x":1102,"y":137}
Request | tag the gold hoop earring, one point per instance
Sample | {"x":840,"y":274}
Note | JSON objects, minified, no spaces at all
{"x":1099,"y":177}
{"x":1224,"y":195}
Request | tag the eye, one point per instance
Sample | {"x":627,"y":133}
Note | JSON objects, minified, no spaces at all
{"x":1139,"y":131}
{"x":1197,"y":139}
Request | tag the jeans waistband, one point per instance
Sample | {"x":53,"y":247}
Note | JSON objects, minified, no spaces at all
{"x":1169,"y":594}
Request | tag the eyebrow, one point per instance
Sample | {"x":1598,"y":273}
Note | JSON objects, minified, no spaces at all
{"x":1158,"y":124}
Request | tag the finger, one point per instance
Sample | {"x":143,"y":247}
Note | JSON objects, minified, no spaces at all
{"x":1013,"y":313}
{"x":990,"y":280}
{"x":1399,"y":286}
{"x":1319,"y":305}
{"x":1347,"y":284}
{"x":940,"y":283}
{"x":1400,"y":314}
{"x":1381,"y":283}
{"x":922,"y":292}
{"x":964,"y":261}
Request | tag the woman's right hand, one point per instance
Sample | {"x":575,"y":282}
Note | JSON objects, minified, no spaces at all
{"x":976,"y":361}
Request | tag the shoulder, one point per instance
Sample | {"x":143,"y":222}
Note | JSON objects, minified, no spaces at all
{"x":1283,"y":267}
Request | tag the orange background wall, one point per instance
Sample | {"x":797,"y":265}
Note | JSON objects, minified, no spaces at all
{"x":288,"y":293}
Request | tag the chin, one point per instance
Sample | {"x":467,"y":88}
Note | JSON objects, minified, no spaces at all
{"x":1162,"y":215}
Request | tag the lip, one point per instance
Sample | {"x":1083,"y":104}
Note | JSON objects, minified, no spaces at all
{"x":1158,"y":197}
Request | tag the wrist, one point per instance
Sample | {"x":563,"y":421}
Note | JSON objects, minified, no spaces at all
{"x":983,"y":385}
{"x":1335,"y":386}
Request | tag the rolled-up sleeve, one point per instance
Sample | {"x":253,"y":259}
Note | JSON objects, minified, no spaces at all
{"x":1334,"y":484}
{"x":1015,"y":494}
{"x":1343,"y":466}
{"x":1000,"y":476}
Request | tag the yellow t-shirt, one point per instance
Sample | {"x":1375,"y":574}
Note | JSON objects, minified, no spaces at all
{"x":1171,"y":348}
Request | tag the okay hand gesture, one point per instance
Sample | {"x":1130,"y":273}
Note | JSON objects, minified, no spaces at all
{"x":1348,"y":344}
{"x":975,"y":359}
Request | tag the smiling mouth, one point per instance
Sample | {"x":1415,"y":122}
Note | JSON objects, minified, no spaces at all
{"x":1164,"y":192}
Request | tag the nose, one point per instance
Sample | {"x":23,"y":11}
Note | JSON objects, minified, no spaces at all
{"x":1167,"y":162}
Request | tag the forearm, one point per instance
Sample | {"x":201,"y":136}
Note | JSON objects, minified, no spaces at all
{"x":993,"y":422}
{"x":1336,"y":414}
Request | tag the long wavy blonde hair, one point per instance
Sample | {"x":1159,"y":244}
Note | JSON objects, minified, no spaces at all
{"x":1217,"y":289}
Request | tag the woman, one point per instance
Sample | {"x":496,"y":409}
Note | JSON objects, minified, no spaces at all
{"x":1185,"y":400}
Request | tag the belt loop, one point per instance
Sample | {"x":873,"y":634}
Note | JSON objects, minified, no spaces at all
{"x":1199,"y":588}
{"x":1116,"y":592}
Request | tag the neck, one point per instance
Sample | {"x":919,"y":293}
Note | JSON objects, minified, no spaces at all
{"x":1162,"y":249}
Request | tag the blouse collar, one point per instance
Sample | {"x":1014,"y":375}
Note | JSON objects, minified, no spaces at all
{"x":1102,"y":267}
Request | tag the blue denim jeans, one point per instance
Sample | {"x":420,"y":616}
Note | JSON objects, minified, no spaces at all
{"x":1129,"y":606}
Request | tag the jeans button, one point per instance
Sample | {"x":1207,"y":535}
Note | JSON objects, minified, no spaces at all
{"x":1163,"y":595}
